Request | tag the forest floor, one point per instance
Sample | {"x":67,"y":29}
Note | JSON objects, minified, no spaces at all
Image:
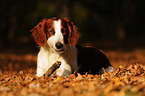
{"x":18,"y":69}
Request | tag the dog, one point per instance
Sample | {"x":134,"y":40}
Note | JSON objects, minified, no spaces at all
{"x":58,"y":39}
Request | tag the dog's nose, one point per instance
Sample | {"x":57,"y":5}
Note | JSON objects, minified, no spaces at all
{"x":59,"y":45}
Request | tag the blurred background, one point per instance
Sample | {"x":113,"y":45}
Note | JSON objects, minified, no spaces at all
{"x":103,"y":23}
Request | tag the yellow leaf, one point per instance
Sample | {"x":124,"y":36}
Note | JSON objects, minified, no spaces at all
{"x":58,"y":79}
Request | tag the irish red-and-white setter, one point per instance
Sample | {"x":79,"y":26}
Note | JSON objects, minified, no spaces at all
{"x":57,"y":39}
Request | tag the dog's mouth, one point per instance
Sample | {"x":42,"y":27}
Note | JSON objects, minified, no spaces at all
{"x":60,"y":50}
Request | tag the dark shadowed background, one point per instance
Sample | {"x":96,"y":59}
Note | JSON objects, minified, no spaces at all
{"x":104,"y":23}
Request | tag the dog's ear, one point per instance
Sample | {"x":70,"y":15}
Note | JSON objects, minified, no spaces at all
{"x":73,"y":33}
{"x":39,"y":33}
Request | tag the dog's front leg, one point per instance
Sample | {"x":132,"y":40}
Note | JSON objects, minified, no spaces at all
{"x":42,"y":63}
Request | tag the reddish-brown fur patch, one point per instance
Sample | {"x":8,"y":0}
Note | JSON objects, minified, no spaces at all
{"x":73,"y":33}
{"x":39,"y":34}
{"x":91,"y":59}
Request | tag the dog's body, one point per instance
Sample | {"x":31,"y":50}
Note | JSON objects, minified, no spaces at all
{"x":57,"y":39}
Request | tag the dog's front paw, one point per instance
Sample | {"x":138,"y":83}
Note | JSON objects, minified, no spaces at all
{"x":63,"y":72}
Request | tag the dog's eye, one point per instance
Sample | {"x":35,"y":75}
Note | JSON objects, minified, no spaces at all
{"x":63,"y":31}
{"x":51,"y":31}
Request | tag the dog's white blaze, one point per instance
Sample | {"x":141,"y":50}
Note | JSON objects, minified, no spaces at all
{"x":57,"y":37}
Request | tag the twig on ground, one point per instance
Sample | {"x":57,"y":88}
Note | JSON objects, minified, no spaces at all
{"x":53,"y":68}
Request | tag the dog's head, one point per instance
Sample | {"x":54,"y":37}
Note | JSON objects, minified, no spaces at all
{"x":57,"y":33}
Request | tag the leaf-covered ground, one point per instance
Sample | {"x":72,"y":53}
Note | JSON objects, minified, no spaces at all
{"x":17,"y":77}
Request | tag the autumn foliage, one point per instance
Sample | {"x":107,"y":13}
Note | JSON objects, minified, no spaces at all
{"x":17,"y":78}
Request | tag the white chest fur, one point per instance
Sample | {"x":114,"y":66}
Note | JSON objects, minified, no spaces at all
{"x":46,"y":58}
